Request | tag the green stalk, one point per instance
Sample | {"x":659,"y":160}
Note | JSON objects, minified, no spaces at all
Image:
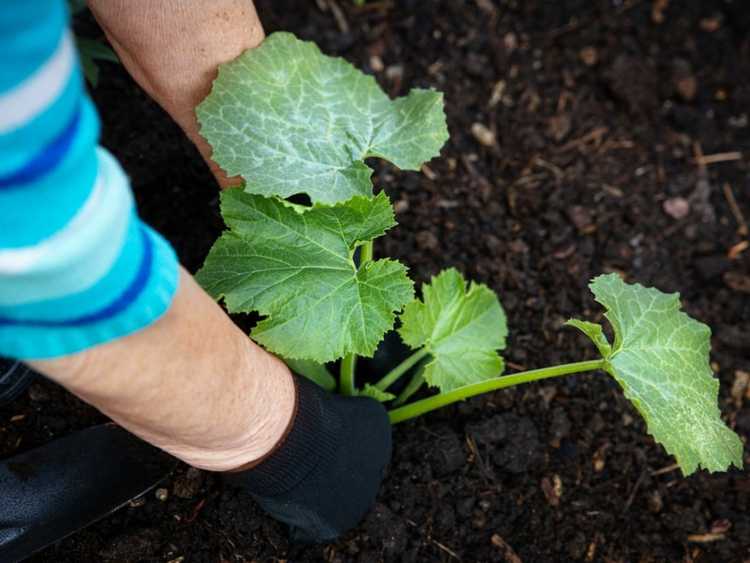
{"x":431,"y":403}
{"x":416,"y":381}
{"x":392,"y":376}
{"x":347,"y":381}
{"x":365,"y":253}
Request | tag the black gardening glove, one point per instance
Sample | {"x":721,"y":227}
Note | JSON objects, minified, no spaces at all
{"x":323,"y":477}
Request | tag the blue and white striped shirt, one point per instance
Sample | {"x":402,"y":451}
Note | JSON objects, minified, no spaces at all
{"x":77,"y":266}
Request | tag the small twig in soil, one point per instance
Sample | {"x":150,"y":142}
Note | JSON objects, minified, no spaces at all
{"x":706,"y":160}
{"x":506,"y":550}
{"x":705,"y":538}
{"x":338,"y":14}
{"x":446,"y":549}
{"x":573,"y":25}
{"x":631,"y":497}
{"x":432,"y":540}
{"x":667,"y":469}
{"x":615,"y":144}
{"x":556,"y":170}
{"x":195,"y":512}
{"x":657,"y":10}
{"x":429,"y":172}
{"x":486,"y":474}
{"x":737,"y":250}
{"x":594,"y":136}
{"x":742,"y":229}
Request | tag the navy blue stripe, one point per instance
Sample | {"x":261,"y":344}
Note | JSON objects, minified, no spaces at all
{"x":118,"y":305}
{"x":49,"y":157}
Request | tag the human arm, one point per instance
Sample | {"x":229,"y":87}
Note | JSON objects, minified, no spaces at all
{"x":193,"y":384}
{"x":173,"y":48}
{"x":95,"y":300}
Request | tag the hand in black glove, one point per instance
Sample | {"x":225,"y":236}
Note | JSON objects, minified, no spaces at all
{"x":325,"y":474}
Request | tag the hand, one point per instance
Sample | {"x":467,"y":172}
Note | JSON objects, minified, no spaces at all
{"x":325,"y":474}
{"x":173,"y":49}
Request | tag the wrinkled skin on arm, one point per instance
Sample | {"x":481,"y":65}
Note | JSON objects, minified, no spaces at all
{"x":173,"y":48}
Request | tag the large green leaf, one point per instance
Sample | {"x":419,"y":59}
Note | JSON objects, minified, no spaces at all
{"x":290,"y":120}
{"x":661,"y":359}
{"x":296,"y":267}
{"x":461,"y":329}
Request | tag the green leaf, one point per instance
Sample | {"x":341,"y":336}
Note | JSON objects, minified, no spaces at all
{"x":291,"y":120}
{"x":461,"y":329}
{"x":595,"y":333}
{"x":661,"y":360}
{"x":297,"y":268}
{"x":315,"y":372}
{"x":375,"y":393}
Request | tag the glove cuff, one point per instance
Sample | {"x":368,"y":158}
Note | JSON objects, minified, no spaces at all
{"x":313,"y":436}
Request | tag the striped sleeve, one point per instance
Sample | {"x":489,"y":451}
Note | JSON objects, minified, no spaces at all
{"x":77,"y":265}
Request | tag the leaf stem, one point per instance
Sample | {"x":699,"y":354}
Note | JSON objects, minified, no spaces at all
{"x":416,"y":381}
{"x":347,"y":381}
{"x":365,"y":253}
{"x":431,"y":403}
{"x":392,"y":376}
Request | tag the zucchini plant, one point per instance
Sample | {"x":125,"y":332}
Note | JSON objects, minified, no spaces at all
{"x":292,"y":121}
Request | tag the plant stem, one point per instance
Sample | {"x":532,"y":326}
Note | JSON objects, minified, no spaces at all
{"x":416,"y":381}
{"x":346,"y":378}
{"x":365,"y":253}
{"x":400,"y":369}
{"x":431,"y":403}
{"x":347,"y":382}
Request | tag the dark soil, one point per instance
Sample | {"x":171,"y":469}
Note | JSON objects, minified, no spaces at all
{"x":599,"y":110}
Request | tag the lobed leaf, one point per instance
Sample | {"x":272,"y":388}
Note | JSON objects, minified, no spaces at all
{"x":296,"y":267}
{"x":661,"y":359}
{"x":291,"y":120}
{"x":461,"y":329}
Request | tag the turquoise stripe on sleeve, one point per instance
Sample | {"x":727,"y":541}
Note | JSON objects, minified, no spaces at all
{"x":19,"y":146}
{"x":63,"y":190}
{"x":29,"y":31}
{"x":114,"y":282}
{"x":40,"y":342}
{"x":81,"y":253}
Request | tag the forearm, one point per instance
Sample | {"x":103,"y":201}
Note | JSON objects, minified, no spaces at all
{"x":173,"y":48}
{"x":84,"y":281}
{"x":191,"y":383}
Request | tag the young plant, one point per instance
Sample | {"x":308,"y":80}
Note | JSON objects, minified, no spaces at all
{"x":292,"y":121}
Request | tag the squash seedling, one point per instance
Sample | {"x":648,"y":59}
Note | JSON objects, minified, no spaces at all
{"x":292,"y":121}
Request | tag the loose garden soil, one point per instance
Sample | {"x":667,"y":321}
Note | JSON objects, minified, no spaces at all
{"x":584,"y":139}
